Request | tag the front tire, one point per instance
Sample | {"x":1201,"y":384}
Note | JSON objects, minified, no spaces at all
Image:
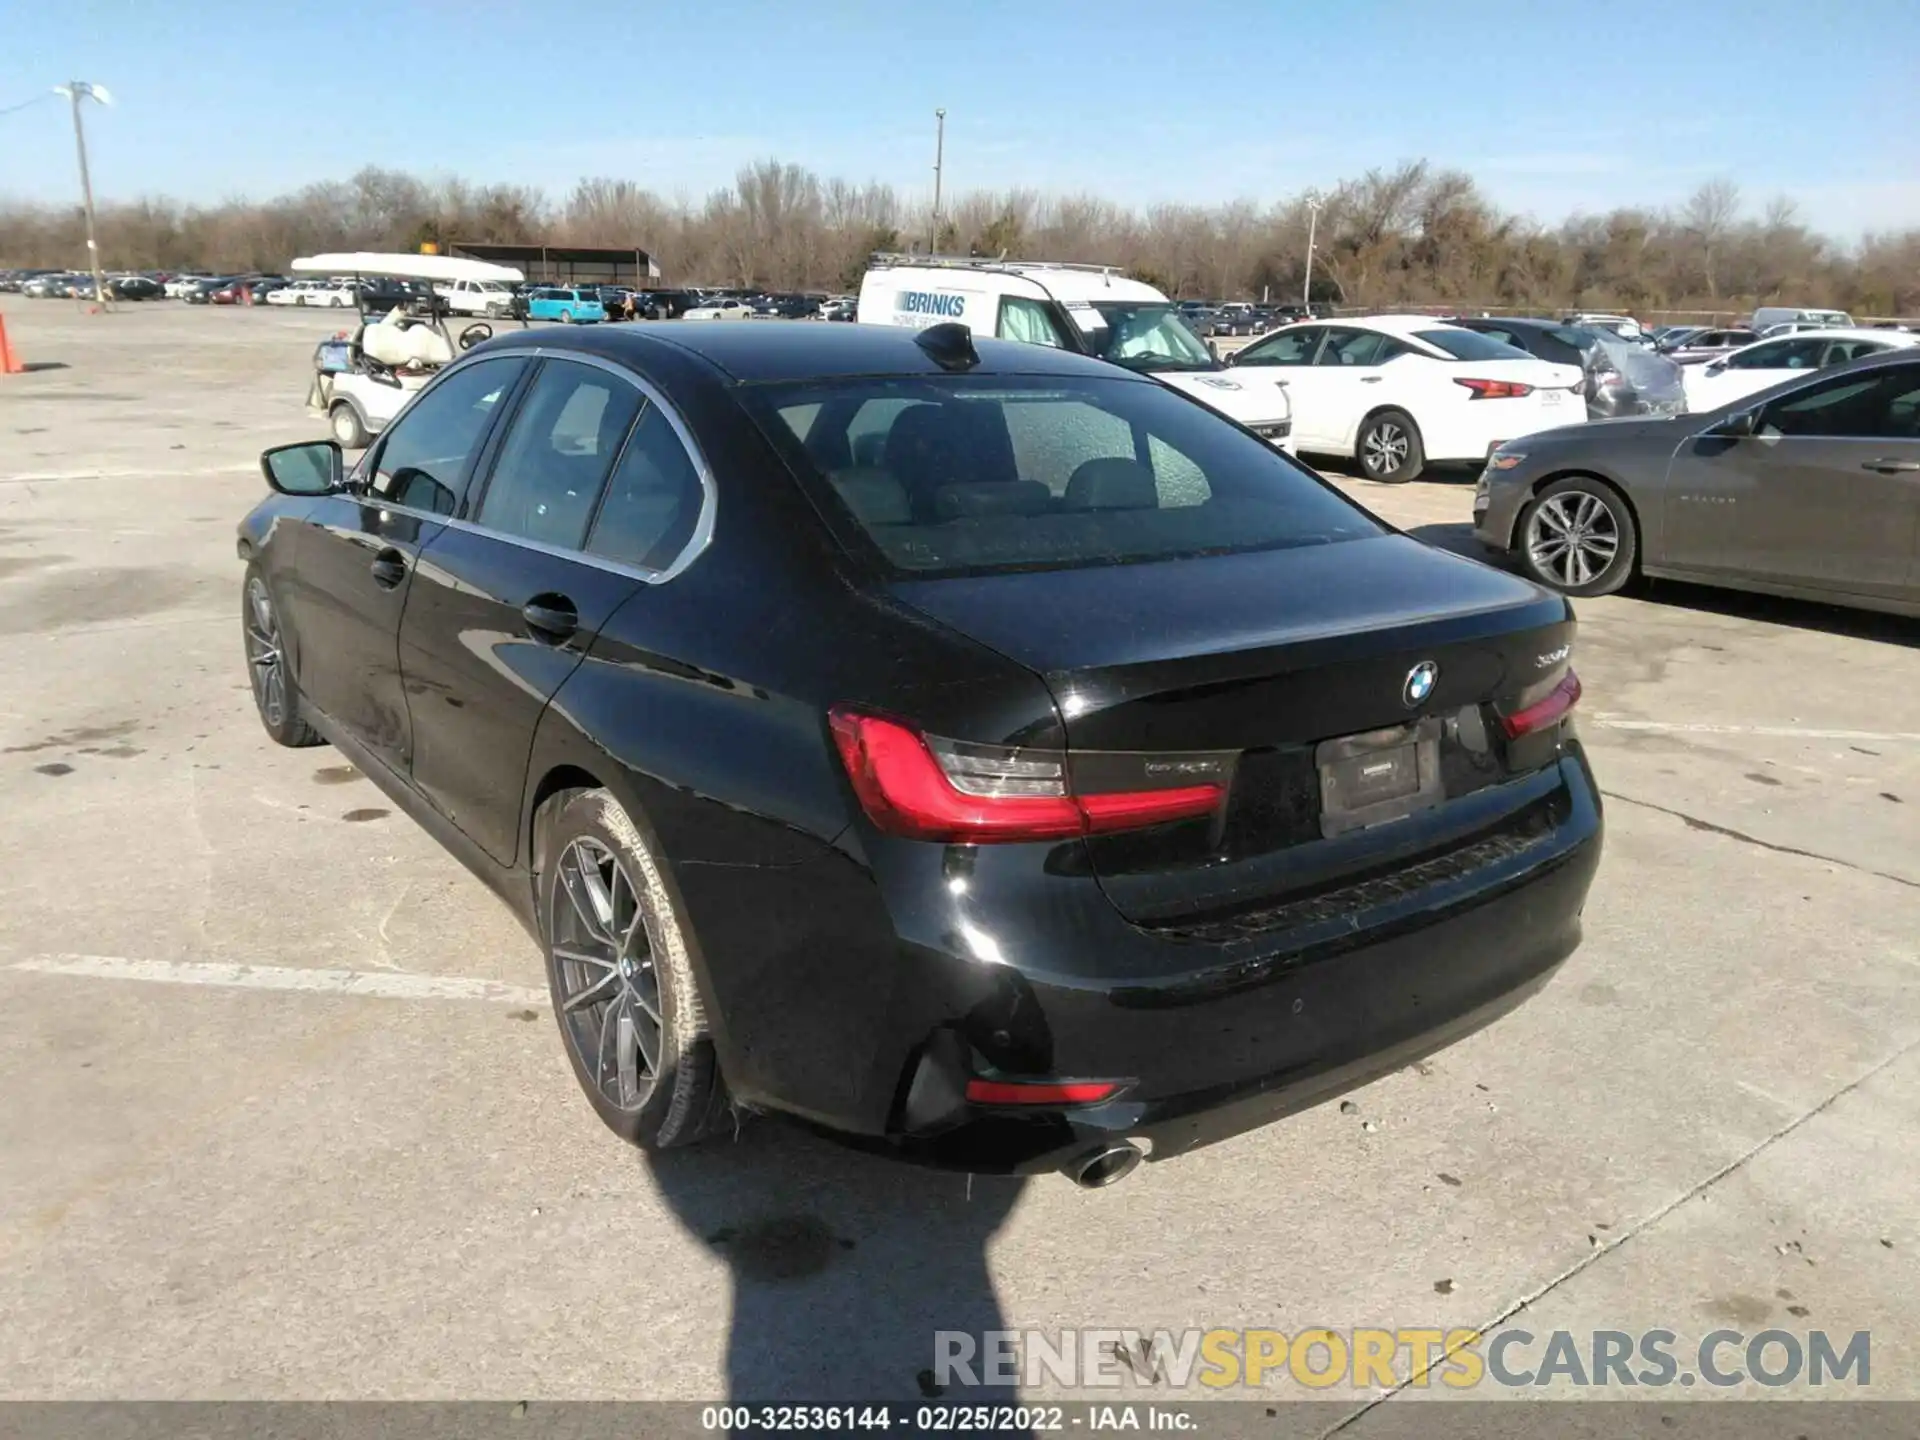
{"x":347,"y":427}
{"x":623,"y":988}
{"x":1389,"y":448}
{"x":1578,"y":536}
{"x":276,"y":699}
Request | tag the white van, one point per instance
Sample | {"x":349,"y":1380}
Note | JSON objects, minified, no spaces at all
{"x":1768,"y":316}
{"x":1087,"y":308}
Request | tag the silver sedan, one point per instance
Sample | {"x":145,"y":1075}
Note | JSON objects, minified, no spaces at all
{"x":1810,"y":488}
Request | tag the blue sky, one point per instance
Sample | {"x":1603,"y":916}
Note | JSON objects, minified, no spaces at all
{"x":1175,"y":100}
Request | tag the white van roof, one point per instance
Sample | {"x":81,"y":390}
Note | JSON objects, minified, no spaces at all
{"x":1067,"y":283}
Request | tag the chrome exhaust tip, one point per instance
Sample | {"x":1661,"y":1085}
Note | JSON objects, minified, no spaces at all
{"x":1107,"y":1165}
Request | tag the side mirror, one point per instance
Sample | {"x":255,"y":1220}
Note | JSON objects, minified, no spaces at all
{"x":1718,"y":367}
{"x":313,"y":467}
{"x":1738,"y":425}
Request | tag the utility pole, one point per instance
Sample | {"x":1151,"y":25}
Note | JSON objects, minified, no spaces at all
{"x":1313,"y":219}
{"x":939,"y":156}
{"x":76,"y":91}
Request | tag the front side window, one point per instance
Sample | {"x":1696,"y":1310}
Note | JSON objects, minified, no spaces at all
{"x":1883,"y":405}
{"x":1284,"y":347}
{"x":423,"y":459}
{"x":1028,"y":321}
{"x":561,"y":446}
{"x":969,"y":475}
{"x":1147,"y":336}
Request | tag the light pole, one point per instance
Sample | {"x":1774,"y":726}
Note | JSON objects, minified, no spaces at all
{"x":939,"y":156}
{"x":1314,"y":203}
{"x":76,"y":91}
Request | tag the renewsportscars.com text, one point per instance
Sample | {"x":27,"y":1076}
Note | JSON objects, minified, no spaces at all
{"x":1368,"y":1359}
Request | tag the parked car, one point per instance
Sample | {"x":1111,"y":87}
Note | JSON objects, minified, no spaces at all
{"x":1625,"y":326}
{"x":841,"y":307}
{"x":477,"y":297}
{"x":975,"y":891}
{"x":295,"y":292}
{"x":180,"y":286}
{"x":568,"y":305}
{"x":720,"y":307}
{"x":1698,"y":347}
{"x":331,"y":294}
{"x":613,"y":300}
{"x":202,"y":292}
{"x":1805,"y":488}
{"x":377,"y":295}
{"x":1235,"y":318}
{"x":663,"y":304}
{"x":1757,"y":366}
{"x":1402,"y":391}
{"x":1768,"y":316}
{"x":136,"y":287}
{"x":1622,"y":378}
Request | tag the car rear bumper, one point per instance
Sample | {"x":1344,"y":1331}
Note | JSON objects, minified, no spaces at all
{"x":874,"y":1034}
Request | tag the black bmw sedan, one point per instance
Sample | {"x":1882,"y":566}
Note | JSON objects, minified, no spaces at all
{"x":983,"y":754}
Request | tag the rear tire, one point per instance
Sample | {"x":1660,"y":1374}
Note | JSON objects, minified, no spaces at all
{"x":630,"y":1013}
{"x":1389,"y":449}
{"x":1577,"y":536}
{"x":276,"y":698}
{"x":347,"y":427}
{"x":566,"y":317}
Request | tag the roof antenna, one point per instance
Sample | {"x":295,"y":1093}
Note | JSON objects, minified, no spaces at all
{"x":950,"y":346}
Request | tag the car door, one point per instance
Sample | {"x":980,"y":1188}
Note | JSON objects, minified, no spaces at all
{"x":355,"y":554}
{"x":508,"y":600}
{"x":1348,"y":381}
{"x":1825,"y":494}
{"x":1290,"y":352}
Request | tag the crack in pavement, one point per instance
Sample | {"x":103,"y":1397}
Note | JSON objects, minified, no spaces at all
{"x":1639,"y":1227}
{"x":1694,"y":822}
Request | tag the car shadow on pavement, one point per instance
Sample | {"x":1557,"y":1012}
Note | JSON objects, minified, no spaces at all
{"x":1710,"y":599}
{"x":843,"y":1265}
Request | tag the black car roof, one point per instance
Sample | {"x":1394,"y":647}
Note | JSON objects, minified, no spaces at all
{"x":760,"y":351}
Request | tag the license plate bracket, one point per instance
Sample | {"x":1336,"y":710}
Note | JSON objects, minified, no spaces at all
{"x":1378,"y":777}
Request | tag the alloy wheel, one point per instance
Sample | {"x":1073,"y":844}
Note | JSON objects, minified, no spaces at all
{"x":264,"y":656}
{"x":611,"y":991}
{"x":1385,"y":448}
{"x":1573,"y":537}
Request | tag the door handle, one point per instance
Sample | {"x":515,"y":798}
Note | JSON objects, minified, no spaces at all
{"x":552,"y":619}
{"x":1889,"y":466}
{"x":1371,"y":379}
{"x":389,"y":569}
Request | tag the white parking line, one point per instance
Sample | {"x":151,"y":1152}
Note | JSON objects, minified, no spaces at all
{"x":1778,"y":732}
{"x":384,"y":985}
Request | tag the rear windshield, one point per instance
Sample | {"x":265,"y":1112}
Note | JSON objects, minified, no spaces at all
{"x":1471,"y":345}
{"x":975,"y":474}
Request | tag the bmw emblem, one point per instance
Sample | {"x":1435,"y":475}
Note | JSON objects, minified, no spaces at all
{"x":1420,"y":682}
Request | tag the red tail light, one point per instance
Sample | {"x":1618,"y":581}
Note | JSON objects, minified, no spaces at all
{"x":924,"y":788}
{"x":1020,"y":1092}
{"x":1495,"y":389}
{"x":1546,"y":711}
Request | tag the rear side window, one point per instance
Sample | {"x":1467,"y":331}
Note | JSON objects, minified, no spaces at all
{"x":1470,"y":345}
{"x":969,"y":475}
{"x":562,"y":444}
{"x":653,"y":500}
{"x":1351,"y":347}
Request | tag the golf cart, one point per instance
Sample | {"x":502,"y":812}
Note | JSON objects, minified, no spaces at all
{"x":362,"y":377}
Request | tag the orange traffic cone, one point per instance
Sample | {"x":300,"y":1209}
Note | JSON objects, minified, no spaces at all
{"x":10,"y":363}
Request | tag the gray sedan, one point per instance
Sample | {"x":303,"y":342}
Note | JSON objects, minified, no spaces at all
{"x":1810,"y":488}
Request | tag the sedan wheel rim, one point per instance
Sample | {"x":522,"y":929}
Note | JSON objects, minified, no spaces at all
{"x":1573,"y":537}
{"x":264,"y":655}
{"x":1385,"y":449}
{"x":609,"y":988}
